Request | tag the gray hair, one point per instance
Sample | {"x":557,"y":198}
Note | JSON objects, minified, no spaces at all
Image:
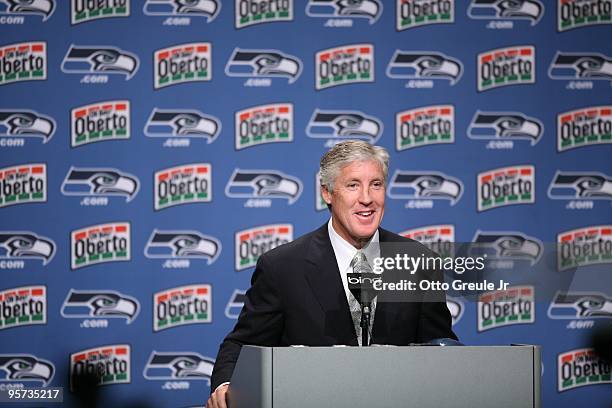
{"x":345,"y":153}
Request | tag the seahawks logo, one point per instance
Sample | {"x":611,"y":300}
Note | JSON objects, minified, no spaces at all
{"x":567,"y":185}
{"x":235,"y":304}
{"x":507,"y":10}
{"x":344,"y":125}
{"x":183,"y":8}
{"x":263,"y":64}
{"x":26,"y":123}
{"x":571,"y":66}
{"x":178,"y":366}
{"x":455,"y":307}
{"x":99,"y":60}
{"x":263,"y":184}
{"x":100,"y":182}
{"x":424,"y":65}
{"x":183,"y":245}
{"x":429,"y":186}
{"x":370,"y":9}
{"x":506,"y":246}
{"x":580,"y":305}
{"x":505,"y":125}
{"x":182,"y":123}
{"x":45,"y":8}
{"x":25,"y":367}
{"x":100,"y":304}
{"x":26,"y":245}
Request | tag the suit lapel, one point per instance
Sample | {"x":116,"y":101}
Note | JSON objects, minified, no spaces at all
{"x":324,"y":279}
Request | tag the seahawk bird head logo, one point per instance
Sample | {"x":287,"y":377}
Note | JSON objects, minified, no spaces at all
{"x":370,"y":9}
{"x":505,"y":125}
{"x":581,"y":66}
{"x":177,"y":365}
{"x":235,"y":304}
{"x":587,"y":185}
{"x":100,"y":182}
{"x":580,"y":305}
{"x":191,"y":8}
{"x":26,"y":123}
{"x":263,"y":184}
{"x":42,"y":7}
{"x":344,"y":124}
{"x":25,"y":367}
{"x":26,"y":245}
{"x":425,"y":185}
{"x":100,"y":60}
{"x":507,"y":9}
{"x":424,"y":65}
{"x":455,"y":307}
{"x":506,"y":245}
{"x":263,"y":63}
{"x":177,"y":123}
{"x":100,"y":304}
{"x":182,"y":244}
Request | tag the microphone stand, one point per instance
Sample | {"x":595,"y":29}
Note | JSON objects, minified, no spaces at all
{"x":365,"y":323}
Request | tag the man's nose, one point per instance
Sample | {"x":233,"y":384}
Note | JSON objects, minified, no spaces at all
{"x":364,"y":196}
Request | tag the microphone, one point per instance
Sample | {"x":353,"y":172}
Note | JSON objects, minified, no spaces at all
{"x":361,"y":285}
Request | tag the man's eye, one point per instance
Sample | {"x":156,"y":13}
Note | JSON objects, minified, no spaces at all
{"x":352,"y":186}
{"x":377,"y":185}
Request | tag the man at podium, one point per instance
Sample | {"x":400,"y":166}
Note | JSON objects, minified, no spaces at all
{"x":299,"y":292}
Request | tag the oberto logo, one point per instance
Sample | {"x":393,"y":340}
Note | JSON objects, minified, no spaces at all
{"x":82,"y":11}
{"x":580,"y":66}
{"x":191,"y":62}
{"x":25,"y":367}
{"x":513,"y":306}
{"x":23,"y":306}
{"x":26,"y":123}
{"x":420,"y":185}
{"x":250,"y":244}
{"x":426,"y":65}
{"x":178,"y":366}
{"x":505,"y":126}
{"x":582,"y":13}
{"x":581,"y":367}
{"x":181,"y":306}
{"x":168,"y":244}
{"x":438,"y":238}
{"x":506,"y":186}
{"x":100,"y":244}
{"x":263,"y":124}
{"x":208,"y":9}
{"x":531,"y":10}
{"x":584,"y":127}
{"x":263,"y":184}
{"x":25,"y":61}
{"x":338,"y":125}
{"x":580,"y":305}
{"x":22,"y":184}
{"x":370,"y":9}
{"x":100,"y":304}
{"x":424,"y":126}
{"x":186,"y":184}
{"x":99,"y":122}
{"x":114,"y":361}
{"x":585,"y":246}
{"x":344,"y":65}
{"x":19,"y":245}
{"x":506,"y":66}
{"x":175,"y":123}
{"x":417,"y":13}
{"x":251,"y":12}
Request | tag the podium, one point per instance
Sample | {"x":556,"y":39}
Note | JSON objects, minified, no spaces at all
{"x":387,"y":376}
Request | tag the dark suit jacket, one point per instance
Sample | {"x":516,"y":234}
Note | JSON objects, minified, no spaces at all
{"x":297,"y":297}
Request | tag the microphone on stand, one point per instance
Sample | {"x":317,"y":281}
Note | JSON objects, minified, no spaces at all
{"x":361,"y":285}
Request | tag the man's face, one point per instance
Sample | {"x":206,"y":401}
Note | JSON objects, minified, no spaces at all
{"x":358,"y":201}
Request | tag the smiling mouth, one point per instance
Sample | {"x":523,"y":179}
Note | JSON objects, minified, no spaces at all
{"x":365,"y":214}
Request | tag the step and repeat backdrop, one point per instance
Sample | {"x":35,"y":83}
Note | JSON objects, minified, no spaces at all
{"x":152,"y":150}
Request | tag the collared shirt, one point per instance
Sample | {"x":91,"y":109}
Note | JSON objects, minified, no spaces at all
{"x":345,"y":253}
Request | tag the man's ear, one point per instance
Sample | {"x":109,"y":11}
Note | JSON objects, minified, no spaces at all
{"x":327,"y":197}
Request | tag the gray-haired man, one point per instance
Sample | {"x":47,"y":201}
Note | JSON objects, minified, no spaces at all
{"x":299,"y":292}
